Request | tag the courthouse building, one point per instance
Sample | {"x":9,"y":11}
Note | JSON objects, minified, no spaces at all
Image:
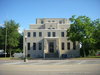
{"x":48,"y":39}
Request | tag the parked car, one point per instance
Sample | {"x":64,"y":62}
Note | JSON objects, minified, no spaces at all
{"x":98,"y":53}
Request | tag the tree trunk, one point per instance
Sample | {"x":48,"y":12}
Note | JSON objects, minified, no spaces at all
{"x":84,"y":51}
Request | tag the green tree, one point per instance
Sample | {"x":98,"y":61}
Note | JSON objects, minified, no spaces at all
{"x":96,"y":34}
{"x":2,"y":38}
{"x":12,"y":35}
{"x":81,"y":30}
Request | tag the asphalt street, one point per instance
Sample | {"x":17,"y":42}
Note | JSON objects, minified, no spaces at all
{"x":50,"y":67}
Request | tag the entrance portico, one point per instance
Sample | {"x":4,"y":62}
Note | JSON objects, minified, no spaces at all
{"x":51,"y":46}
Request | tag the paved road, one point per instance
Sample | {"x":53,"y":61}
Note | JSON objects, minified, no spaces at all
{"x":49,"y":62}
{"x":50,"y":67}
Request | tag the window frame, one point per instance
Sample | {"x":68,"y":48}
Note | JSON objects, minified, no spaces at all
{"x":40,"y":46}
{"x":68,"y":45}
{"x":63,"y":46}
{"x":28,"y":46}
{"x":54,"y":34}
{"x":40,"y":34}
{"x":62,"y":34}
{"x":34,"y":34}
{"x":28,"y":34}
{"x":34,"y":46}
{"x":74,"y":45}
{"x":49,"y":34}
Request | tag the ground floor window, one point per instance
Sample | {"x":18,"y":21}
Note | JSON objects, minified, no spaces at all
{"x":74,"y":45}
{"x":28,"y":55}
{"x":68,"y":45}
{"x":34,"y":46}
{"x":63,"y":46}
{"x":28,"y":46}
{"x":40,"y":46}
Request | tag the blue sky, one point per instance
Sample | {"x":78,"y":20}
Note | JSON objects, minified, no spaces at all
{"x":25,"y":12}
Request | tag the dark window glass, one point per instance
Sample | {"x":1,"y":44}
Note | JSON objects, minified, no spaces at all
{"x":34,"y":34}
{"x":68,"y":45}
{"x":42,"y":22}
{"x":34,"y":46}
{"x":28,"y":34}
{"x":63,"y":46}
{"x":40,"y":46}
{"x":74,"y":45}
{"x":40,"y":34}
{"x":49,"y":34}
{"x":60,"y":22}
{"x":28,"y":46}
{"x":54,"y":34}
{"x":62,"y":34}
{"x":28,"y":55}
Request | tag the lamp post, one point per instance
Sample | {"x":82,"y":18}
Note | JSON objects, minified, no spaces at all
{"x":5,"y":40}
{"x":25,"y":58}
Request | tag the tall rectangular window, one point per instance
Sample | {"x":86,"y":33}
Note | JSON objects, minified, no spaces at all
{"x":40,"y":34}
{"x":49,"y":34}
{"x":28,"y":46}
{"x":53,"y":34}
{"x":74,"y":45}
{"x":28,"y":34}
{"x":34,"y":34}
{"x":62,"y":34}
{"x":68,"y":45}
{"x":40,"y":46}
{"x":34,"y":46}
{"x":63,"y":46}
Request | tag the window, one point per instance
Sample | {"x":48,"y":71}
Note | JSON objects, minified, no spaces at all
{"x":34,"y":46}
{"x":60,"y":22}
{"x":54,"y":34}
{"x":68,"y":45}
{"x":49,"y":34}
{"x":49,"y":21}
{"x":53,"y":21}
{"x":63,"y":46}
{"x":40,"y":34}
{"x":53,"y":28}
{"x":28,"y":46}
{"x":28,"y":55}
{"x":40,"y":46}
{"x":42,"y":22}
{"x":74,"y":45}
{"x":34,"y":34}
{"x":28,"y":34}
{"x":62,"y":34}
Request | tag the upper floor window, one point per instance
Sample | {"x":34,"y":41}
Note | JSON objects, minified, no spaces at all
{"x":53,"y":28}
{"x":40,"y":46}
{"x":40,"y":34}
{"x":28,"y":34}
{"x":34,"y":46}
{"x":34,"y":34}
{"x":53,"y":34}
{"x":49,"y":21}
{"x":49,"y":34}
{"x":53,"y":21}
{"x":62,"y":34}
{"x":63,"y":46}
{"x":60,"y":22}
{"x":28,"y":46}
{"x":74,"y":45}
{"x":68,"y":45}
{"x":42,"y":22}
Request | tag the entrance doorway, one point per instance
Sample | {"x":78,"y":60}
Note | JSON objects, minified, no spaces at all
{"x":51,"y":47}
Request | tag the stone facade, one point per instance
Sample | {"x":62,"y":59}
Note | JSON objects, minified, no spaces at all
{"x":47,"y":38}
